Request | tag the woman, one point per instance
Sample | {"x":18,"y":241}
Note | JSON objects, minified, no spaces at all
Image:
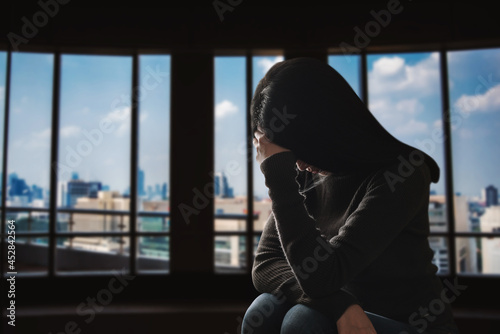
{"x":345,"y":248}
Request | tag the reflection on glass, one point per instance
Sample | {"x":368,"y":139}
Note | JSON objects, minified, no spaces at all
{"x":154,"y":131}
{"x":94,"y":133}
{"x":92,"y":253}
{"x":153,"y":254}
{"x":348,"y":66}
{"x":230,"y":254}
{"x":31,"y":255}
{"x":30,"y":111}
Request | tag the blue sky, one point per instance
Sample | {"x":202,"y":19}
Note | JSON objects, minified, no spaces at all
{"x":404,"y":95}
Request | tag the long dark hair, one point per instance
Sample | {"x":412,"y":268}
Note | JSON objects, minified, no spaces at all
{"x":305,"y":105}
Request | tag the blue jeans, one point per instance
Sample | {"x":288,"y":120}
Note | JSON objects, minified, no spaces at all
{"x":270,"y":315}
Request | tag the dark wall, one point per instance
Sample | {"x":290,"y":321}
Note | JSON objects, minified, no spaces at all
{"x":249,"y":24}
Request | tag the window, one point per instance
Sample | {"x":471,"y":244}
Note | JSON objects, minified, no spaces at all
{"x":230,"y":177}
{"x":261,"y":202}
{"x":94,"y":157}
{"x":28,"y":156}
{"x":99,"y":218}
{"x":404,"y":96}
{"x":349,"y":66}
{"x":153,"y":179}
{"x":235,"y":228}
{"x":474,"y":80}
{"x":94,"y":166}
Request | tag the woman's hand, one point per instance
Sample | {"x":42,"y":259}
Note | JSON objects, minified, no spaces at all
{"x":265,"y":148}
{"x":355,"y":321}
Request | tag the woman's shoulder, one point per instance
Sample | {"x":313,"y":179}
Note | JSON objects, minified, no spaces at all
{"x":404,"y":173}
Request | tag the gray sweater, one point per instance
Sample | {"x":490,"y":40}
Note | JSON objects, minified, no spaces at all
{"x":359,"y":238}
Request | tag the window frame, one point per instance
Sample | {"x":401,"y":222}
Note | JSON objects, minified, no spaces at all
{"x":208,"y":284}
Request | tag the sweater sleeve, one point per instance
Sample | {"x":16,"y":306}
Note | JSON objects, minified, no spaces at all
{"x":272,"y":273}
{"x":323,"y":268}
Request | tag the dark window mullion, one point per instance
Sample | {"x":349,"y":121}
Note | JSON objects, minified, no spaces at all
{"x":364,"y":77}
{"x":4,"y":157}
{"x":134,"y":147}
{"x":53,"y":162}
{"x":450,"y":207}
{"x":250,"y":215}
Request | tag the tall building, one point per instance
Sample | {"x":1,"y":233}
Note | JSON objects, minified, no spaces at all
{"x":491,"y":196}
{"x":62,"y":194}
{"x":79,"y":188}
{"x":490,"y":247}
{"x":37,"y":192}
{"x":164,"y":194}
{"x":221,"y":186}
{"x":140,"y":183}
{"x":465,"y":247}
{"x":19,"y":192}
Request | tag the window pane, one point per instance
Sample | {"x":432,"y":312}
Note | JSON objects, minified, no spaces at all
{"x":230,"y":177}
{"x":26,"y":221}
{"x":404,"y":95}
{"x":85,"y":222}
{"x":92,"y":254}
{"x":30,"y":117}
{"x":230,"y":137}
{"x":262,"y":203}
{"x":441,"y":259}
{"x":154,"y":130}
{"x":230,"y":254}
{"x":153,"y":254}
{"x":94,"y":140}
{"x":474,"y":78}
{"x":478,"y":255}
{"x":349,"y":68}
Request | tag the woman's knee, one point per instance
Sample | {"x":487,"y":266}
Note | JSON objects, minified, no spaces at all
{"x":303,"y":319}
{"x":265,"y":314}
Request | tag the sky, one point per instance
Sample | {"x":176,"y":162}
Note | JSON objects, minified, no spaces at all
{"x":403,"y":91}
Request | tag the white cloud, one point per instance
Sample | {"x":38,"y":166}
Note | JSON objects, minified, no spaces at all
{"x":411,"y":127}
{"x":397,"y":114}
{"x":438,"y":124}
{"x":69,"y":131}
{"x":409,"y":106}
{"x":225,"y":108}
{"x":44,"y":134}
{"x":2,"y":92}
{"x":266,"y":63}
{"x":121,"y":118}
{"x":386,"y":66}
{"x":397,"y":89}
{"x":393,"y":75}
{"x":109,"y":162}
{"x":487,"y":102}
{"x":36,"y":141}
{"x":465,"y":134}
